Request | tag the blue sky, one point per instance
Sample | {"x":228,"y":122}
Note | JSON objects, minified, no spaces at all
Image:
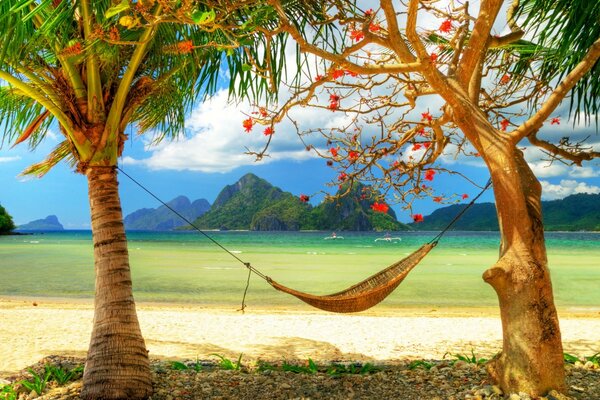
{"x":212,"y":156}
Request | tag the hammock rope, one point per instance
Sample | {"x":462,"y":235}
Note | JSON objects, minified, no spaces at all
{"x":358,"y":297}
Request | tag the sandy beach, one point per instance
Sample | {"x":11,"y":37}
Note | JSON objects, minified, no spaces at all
{"x":62,"y":327}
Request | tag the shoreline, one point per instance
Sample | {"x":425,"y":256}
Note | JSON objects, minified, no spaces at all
{"x":381,"y":310}
{"x":189,"y":331}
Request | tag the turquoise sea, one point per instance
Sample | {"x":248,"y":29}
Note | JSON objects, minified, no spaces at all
{"x":185,"y":267}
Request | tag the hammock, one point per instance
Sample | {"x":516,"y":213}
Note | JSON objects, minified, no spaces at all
{"x":365,"y":294}
{"x":359,"y":297}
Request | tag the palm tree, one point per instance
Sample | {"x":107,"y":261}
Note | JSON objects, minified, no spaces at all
{"x":95,"y":68}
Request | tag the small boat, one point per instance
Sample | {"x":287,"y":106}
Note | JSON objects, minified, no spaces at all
{"x":333,"y":236}
{"x":388,"y":238}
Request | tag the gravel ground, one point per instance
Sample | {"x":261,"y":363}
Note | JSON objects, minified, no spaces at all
{"x":445,"y":379}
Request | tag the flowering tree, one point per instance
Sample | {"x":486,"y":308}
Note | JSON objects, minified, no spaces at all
{"x":375,"y":72}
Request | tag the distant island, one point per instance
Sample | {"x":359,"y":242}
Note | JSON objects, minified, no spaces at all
{"x":253,"y":203}
{"x":6,"y":222}
{"x":578,"y":212}
{"x":50,"y":223}
{"x":163,"y":219}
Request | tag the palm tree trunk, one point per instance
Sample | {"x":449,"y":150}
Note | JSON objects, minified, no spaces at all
{"x":117,"y":365}
{"x":531,"y":360}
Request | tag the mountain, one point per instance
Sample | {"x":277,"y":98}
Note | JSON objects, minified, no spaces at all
{"x":50,"y":223}
{"x":6,"y":222}
{"x":353,"y":212}
{"x":253,"y":203}
{"x":163,"y":219}
{"x":573,"y":213}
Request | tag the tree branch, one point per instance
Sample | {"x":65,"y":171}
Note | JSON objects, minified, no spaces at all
{"x":576,"y":157}
{"x":534,"y":123}
{"x":477,"y":46}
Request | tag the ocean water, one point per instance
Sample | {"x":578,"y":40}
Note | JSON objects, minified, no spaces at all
{"x":186,"y":267}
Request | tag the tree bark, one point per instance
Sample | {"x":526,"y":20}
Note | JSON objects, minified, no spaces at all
{"x":531,"y":360}
{"x":117,"y":365}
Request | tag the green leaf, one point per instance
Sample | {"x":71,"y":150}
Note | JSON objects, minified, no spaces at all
{"x":114,"y":10}
{"x":246,"y":67}
{"x":571,"y":359}
{"x":178,"y":366}
{"x":203,"y":17}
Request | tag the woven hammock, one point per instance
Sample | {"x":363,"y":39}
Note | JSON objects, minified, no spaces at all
{"x":365,"y":294}
{"x":356,"y":298}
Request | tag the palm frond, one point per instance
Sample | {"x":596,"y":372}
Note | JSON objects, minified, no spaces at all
{"x":61,"y":152}
{"x":563,"y":30}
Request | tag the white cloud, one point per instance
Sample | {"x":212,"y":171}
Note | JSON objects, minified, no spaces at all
{"x":565,"y":188}
{"x":9,"y":159}
{"x":218,"y":143}
{"x":584,"y":172}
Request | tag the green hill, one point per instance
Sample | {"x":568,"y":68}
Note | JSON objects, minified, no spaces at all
{"x":353,"y":213}
{"x":253,"y":203}
{"x":573,"y":213}
{"x":6,"y":222}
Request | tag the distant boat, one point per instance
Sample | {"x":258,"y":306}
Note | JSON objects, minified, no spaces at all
{"x":333,"y":236}
{"x":388,"y":238}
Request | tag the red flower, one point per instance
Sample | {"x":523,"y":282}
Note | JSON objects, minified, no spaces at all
{"x":304,"y":198}
{"x":268,"y":131}
{"x":337,"y":73}
{"x":465,"y":196}
{"x":342,"y":177}
{"x":380,"y":207}
{"x":333,"y":151}
{"x":353,"y":155}
{"x":185,"y":47}
{"x":263,"y":112}
{"x":426,"y":144}
{"x":555,"y":121}
{"x":505,"y":79}
{"x":429,"y":174}
{"x":247,"y":124}
{"x":421,"y":131}
{"x":416,"y":146}
{"x":504,"y":124}
{"x":446,"y":26}
{"x":318,"y":78}
{"x":373,"y":27}
{"x":334,"y":97}
{"x":352,"y":74}
{"x":477,"y":155}
{"x":433,"y":57}
{"x":438,"y":199}
{"x":329,"y":163}
{"x":333,"y":106}
{"x":417,"y":218}
{"x":357,"y":35}
{"x":426,"y":116}
{"x":369,"y":12}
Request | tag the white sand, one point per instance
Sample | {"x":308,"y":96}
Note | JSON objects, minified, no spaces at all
{"x":28,"y":333}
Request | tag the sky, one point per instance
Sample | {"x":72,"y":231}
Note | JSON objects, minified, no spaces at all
{"x":211,"y":155}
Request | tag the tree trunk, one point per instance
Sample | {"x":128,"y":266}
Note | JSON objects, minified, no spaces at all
{"x":117,"y":365}
{"x":531,"y":360}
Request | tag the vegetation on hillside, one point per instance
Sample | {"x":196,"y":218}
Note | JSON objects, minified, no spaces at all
{"x":253,"y":203}
{"x":579,"y":212}
{"x":6,"y":221}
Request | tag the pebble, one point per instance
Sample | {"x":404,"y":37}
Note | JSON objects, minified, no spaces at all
{"x":443,"y":381}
